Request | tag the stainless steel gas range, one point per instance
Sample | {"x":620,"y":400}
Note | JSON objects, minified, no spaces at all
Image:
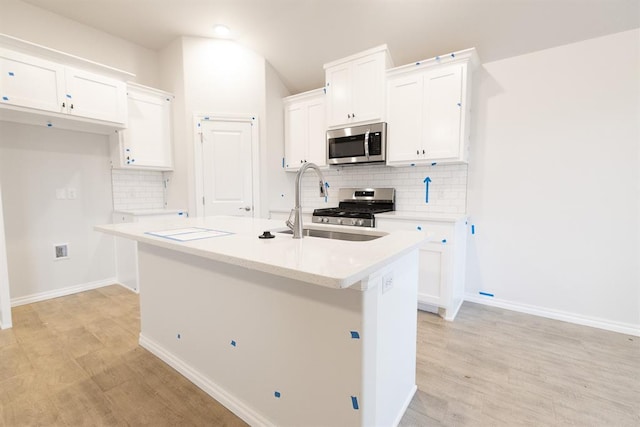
{"x":357,"y":207}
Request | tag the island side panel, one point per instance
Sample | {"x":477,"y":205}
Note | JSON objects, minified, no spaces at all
{"x":274,"y":350}
{"x":390,"y":315}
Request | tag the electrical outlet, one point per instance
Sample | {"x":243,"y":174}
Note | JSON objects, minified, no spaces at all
{"x":61,"y":193}
{"x":72,"y":193}
{"x":387,"y":282}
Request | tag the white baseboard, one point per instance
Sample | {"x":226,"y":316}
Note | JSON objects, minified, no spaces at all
{"x":623,"y":328}
{"x":42,"y":296}
{"x":225,"y":398}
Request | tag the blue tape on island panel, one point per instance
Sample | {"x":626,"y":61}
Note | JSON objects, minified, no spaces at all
{"x":486,"y":294}
{"x":354,"y":402}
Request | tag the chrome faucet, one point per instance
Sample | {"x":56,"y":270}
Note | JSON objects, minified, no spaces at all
{"x":296,"y":212}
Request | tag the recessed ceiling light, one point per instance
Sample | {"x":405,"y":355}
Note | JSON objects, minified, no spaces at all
{"x":221,"y":30}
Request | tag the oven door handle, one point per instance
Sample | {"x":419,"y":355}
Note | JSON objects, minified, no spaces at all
{"x":366,"y":143}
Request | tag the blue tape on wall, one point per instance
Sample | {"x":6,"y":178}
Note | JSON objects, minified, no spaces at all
{"x":426,"y":181}
{"x":354,"y":402}
{"x":277,"y":394}
{"x":355,"y":335}
{"x":233,"y":343}
{"x":473,"y":229}
{"x":11,"y":73}
{"x":4,"y":98}
{"x":444,"y":240}
{"x":486,"y":294}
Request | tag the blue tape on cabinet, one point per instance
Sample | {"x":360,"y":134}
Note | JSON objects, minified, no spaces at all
{"x":486,"y":294}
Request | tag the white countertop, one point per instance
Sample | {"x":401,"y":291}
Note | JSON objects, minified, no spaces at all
{"x":421,"y":216}
{"x":324,"y":262}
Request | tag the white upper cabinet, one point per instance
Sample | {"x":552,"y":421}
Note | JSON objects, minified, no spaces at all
{"x":428,"y":110}
{"x":305,"y":129}
{"x":146,"y":142}
{"x":30,"y":82}
{"x":95,"y":97}
{"x":355,"y":87}
{"x":36,"y":90}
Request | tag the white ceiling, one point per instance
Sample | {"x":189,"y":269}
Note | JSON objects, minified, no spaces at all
{"x":298,"y":36}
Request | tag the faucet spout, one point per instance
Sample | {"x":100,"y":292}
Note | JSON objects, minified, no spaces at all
{"x":295,"y":217}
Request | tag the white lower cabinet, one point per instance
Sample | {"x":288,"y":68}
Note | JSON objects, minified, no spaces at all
{"x":442,"y":262}
{"x":127,"y":249}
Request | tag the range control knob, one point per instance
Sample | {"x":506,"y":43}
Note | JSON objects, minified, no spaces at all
{"x":339,"y":221}
{"x":325,"y":219}
{"x":360,"y":222}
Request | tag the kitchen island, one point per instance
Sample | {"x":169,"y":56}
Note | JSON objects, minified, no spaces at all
{"x":282,"y":331}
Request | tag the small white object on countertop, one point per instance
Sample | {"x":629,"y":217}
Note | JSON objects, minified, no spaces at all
{"x":320,"y":261}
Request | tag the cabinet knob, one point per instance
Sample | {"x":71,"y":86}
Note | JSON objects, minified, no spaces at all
{"x":348,"y":116}
{"x":71,"y":106}
{"x":417,"y":152}
{"x":63,"y":105}
{"x":423,"y":152}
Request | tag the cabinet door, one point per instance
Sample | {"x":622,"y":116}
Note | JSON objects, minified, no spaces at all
{"x":317,"y":133}
{"x":95,"y":97}
{"x":339,"y":107}
{"x":404,"y":118}
{"x":432,"y":282}
{"x":367,"y":89}
{"x":442,"y":113}
{"x":30,"y":82}
{"x":147,"y":139}
{"x":295,"y":135}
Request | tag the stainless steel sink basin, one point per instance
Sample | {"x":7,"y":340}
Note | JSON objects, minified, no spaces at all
{"x":337,"y":235}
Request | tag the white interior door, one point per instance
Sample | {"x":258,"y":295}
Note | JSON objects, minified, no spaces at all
{"x":227,"y":168}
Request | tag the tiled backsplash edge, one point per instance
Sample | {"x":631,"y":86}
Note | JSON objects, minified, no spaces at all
{"x":136,"y":189}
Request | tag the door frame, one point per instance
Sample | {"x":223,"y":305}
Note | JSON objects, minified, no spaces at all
{"x":252,"y":119}
{"x":5,"y":297}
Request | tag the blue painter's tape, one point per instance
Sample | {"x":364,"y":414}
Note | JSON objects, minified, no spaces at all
{"x":4,"y":98}
{"x":325,"y":90}
{"x":417,"y":63}
{"x":453,"y":55}
{"x":419,"y":228}
{"x":277,"y":394}
{"x":233,"y":343}
{"x":444,"y":240}
{"x":433,"y":164}
{"x":473,"y":229}
{"x":459,"y":104}
{"x":206,"y":118}
{"x":413,"y":164}
{"x":437,"y":58}
{"x":355,"y":335}
{"x":198,"y":124}
{"x":178,"y":336}
{"x":49,"y":125}
{"x":283,"y":162}
{"x":11,"y":73}
{"x":68,"y":96}
{"x":486,"y":294}
{"x":354,"y":402}
{"x":253,"y":118}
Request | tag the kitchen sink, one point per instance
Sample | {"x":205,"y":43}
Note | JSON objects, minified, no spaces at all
{"x":336,"y":235}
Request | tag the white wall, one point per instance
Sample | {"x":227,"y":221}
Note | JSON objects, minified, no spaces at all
{"x":42,"y":27}
{"x":35,"y":162}
{"x":554,"y":185}
{"x":214,"y":77}
{"x":5,"y":302}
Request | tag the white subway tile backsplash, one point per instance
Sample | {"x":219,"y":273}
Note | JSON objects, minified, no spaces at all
{"x":134,"y":189}
{"x":447,"y":189}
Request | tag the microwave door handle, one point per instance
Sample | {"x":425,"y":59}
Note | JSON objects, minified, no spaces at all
{"x":366,"y":143}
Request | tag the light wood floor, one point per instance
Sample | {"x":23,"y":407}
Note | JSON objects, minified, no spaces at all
{"x":74,"y":361}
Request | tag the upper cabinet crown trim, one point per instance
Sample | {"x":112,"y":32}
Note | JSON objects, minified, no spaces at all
{"x":64,"y":58}
{"x":374,"y":50}
{"x":469,"y":56}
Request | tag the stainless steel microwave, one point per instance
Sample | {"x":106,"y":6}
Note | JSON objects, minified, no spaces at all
{"x":357,"y":144}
